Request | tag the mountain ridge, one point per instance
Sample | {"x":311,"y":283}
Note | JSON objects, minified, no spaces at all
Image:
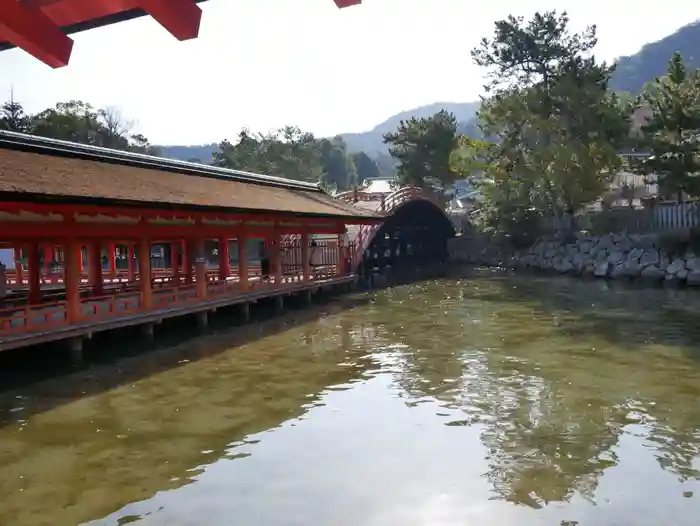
{"x":634,"y":71}
{"x":631,"y":73}
{"x":371,"y":141}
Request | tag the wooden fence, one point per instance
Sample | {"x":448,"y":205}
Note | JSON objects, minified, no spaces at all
{"x":663,"y":217}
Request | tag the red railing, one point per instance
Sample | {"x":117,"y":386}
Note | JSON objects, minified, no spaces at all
{"x":173,"y":296}
{"x":121,"y":295}
{"x":352,"y":196}
{"x":321,"y":253}
{"x":227,"y":287}
{"x":39,"y":317}
{"x":98,"y":307}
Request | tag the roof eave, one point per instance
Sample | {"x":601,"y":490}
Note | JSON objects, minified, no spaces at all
{"x":26,"y":197}
{"x":59,"y":148}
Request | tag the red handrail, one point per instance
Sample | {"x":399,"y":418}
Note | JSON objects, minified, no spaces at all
{"x":40,"y":316}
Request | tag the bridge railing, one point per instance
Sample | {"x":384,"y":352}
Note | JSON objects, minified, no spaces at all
{"x":365,"y":233}
{"x":351,"y":196}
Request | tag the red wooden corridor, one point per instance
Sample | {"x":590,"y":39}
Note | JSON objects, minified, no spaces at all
{"x":104,"y":238}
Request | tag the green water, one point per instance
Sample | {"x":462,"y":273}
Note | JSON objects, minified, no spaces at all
{"x":484,"y":400}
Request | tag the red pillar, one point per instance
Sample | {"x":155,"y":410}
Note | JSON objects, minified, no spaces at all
{"x":95,"y":267}
{"x":131,"y":259}
{"x":112,"y":259}
{"x":18,"y":265}
{"x":81,"y":265}
{"x":145,"y":274}
{"x":305,"y":262}
{"x":73,"y":256}
{"x":47,"y":250}
{"x":200,"y":268}
{"x":186,"y":261}
{"x":174,"y":264}
{"x":243,"y":278}
{"x":341,"y":270}
{"x":224,"y":264}
{"x":34,"y":264}
{"x":276,"y":258}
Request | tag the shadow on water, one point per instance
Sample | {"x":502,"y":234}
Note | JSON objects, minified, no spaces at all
{"x":114,"y":433}
{"x":627,"y":315}
{"x":115,"y":358}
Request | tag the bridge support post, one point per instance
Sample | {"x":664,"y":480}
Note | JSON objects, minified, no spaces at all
{"x":75,"y":350}
{"x":202,"y":320}
{"x":245,"y":311}
{"x":279,"y":304}
{"x":148,"y":330}
{"x":307,"y":297}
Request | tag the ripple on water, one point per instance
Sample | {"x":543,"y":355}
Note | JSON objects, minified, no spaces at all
{"x":491,"y":399}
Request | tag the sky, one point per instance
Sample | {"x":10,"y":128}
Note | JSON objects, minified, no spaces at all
{"x":263,"y":64}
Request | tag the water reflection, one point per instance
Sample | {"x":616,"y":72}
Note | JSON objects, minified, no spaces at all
{"x":489,"y":399}
{"x":557,"y":373}
{"x":162,"y":418}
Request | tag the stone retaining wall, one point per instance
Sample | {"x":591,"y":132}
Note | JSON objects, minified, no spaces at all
{"x":616,"y":256}
{"x":612,"y":256}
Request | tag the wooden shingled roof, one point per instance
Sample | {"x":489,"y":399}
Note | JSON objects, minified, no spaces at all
{"x":39,"y":169}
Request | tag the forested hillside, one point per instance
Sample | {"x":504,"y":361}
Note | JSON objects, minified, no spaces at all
{"x":371,"y":141}
{"x":652,"y":60}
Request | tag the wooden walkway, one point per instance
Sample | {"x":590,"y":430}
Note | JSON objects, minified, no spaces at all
{"x":47,"y":323}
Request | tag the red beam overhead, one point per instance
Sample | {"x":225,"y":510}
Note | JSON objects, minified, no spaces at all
{"x":180,"y":17}
{"x":40,"y":26}
{"x":30,"y":29}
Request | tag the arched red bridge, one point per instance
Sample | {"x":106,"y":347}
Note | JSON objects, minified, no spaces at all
{"x":41,"y":27}
{"x":414,"y":232}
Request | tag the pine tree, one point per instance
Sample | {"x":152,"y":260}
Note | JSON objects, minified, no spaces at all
{"x":13,"y":117}
{"x":671,"y":133}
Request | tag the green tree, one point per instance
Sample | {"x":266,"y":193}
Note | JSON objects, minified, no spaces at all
{"x":671,"y":133}
{"x":140,"y":144}
{"x":338,"y":169}
{"x":13,"y":117}
{"x":298,"y":155}
{"x":79,"y":121}
{"x":422,"y":148}
{"x":246,"y":154}
{"x":74,"y":121}
{"x":556,"y":127}
{"x":470,"y":158}
{"x":287,"y":152}
{"x":365,"y":166}
{"x":386,"y":165}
